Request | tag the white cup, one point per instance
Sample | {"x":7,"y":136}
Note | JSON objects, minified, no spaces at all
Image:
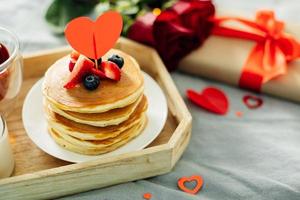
{"x":6,"y":155}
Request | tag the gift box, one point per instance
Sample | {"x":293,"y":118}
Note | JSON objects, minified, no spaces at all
{"x":223,"y":58}
{"x":259,"y":53}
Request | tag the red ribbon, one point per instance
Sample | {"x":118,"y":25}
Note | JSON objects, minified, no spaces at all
{"x":273,"y":50}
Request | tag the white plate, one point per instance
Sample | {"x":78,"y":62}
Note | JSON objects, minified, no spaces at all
{"x":35,"y":123}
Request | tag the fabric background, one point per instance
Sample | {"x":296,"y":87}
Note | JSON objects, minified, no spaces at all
{"x":256,"y":156}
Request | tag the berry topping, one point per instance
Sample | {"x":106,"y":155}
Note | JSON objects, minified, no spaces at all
{"x":71,"y":65}
{"x":82,"y":67}
{"x":91,"y":82}
{"x":99,"y":60}
{"x":111,"y":70}
{"x":74,"y":55}
{"x":98,"y":73}
{"x":117,"y":60}
{"x":4,"y":55}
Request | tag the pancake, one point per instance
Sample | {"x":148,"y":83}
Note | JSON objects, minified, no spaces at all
{"x":98,"y":147}
{"x":109,"y":95}
{"x":103,"y":143}
{"x":98,"y":121}
{"x":112,"y":117}
{"x":87,"y":132}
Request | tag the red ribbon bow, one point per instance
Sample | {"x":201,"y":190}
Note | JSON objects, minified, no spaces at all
{"x":273,"y":50}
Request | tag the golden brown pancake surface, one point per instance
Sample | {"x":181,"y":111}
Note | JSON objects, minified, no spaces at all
{"x":90,"y":148}
{"x":98,"y":132}
{"x":111,"y":117}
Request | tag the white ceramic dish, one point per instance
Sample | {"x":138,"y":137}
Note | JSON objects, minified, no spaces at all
{"x":35,"y":123}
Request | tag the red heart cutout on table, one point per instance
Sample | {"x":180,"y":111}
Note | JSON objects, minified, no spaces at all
{"x":183,"y":180}
{"x":211,"y":99}
{"x":94,"y":38}
{"x":252,"y":101}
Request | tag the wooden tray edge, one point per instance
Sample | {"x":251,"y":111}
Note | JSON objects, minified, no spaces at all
{"x":173,"y":149}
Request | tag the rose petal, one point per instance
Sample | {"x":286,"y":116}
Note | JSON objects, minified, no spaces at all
{"x":141,"y":30}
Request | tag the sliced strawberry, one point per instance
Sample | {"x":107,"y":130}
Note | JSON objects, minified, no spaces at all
{"x":111,"y":70}
{"x":71,"y":65}
{"x":82,"y":67}
{"x":98,"y":73}
{"x":74,"y":55}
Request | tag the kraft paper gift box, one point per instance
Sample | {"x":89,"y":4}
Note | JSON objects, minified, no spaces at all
{"x":222,"y":58}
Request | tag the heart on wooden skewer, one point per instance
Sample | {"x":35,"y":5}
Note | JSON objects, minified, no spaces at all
{"x":94,"y":38}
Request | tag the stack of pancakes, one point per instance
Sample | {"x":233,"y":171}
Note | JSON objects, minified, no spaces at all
{"x":99,"y":121}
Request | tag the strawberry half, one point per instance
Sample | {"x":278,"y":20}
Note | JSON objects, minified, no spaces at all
{"x":74,"y":55}
{"x":82,"y":67}
{"x":71,"y":65}
{"x":98,"y":73}
{"x":111,"y":70}
{"x":73,"y":59}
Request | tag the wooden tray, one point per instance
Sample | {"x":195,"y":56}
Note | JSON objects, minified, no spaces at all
{"x":38,"y":175}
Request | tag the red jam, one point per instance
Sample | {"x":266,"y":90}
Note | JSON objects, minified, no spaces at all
{"x":4,"y":75}
{"x":4,"y":55}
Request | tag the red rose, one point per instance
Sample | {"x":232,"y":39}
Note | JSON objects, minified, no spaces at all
{"x":141,"y":30}
{"x":195,"y":14}
{"x":176,"y":31}
{"x":173,"y":40}
{"x":181,"y":29}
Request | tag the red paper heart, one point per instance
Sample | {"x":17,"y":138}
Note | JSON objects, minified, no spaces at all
{"x":252,"y":102}
{"x":94,"y":38}
{"x":147,"y":196}
{"x":183,"y":180}
{"x":211,"y":99}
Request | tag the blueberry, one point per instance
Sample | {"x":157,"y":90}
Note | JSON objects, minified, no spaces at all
{"x":117,"y":60}
{"x":91,"y":82}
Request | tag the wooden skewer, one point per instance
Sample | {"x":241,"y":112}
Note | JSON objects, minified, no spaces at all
{"x":96,"y":63}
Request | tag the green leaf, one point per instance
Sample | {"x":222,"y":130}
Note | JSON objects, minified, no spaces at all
{"x":168,"y":4}
{"x":126,"y":7}
{"x":127,"y":22}
{"x":101,"y":8}
{"x":60,"y":12}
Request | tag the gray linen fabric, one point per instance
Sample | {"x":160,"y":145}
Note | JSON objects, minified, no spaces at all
{"x":256,"y":156}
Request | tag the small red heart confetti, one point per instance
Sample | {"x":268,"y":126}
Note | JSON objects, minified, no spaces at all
{"x":252,"y":102}
{"x":147,"y":196}
{"x":211,"y":99}
{"x":239,"y":114}
{"x":199,"y":183}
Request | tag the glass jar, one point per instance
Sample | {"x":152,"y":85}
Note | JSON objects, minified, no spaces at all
{"x":6,"y":155}
{"x":11,"y":72}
